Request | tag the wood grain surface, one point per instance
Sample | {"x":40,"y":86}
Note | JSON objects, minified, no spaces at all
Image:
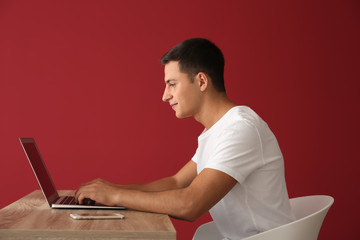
{"x":31,"y":218}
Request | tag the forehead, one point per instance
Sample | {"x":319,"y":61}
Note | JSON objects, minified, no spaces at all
{"x":172,"y":67}
{"x":172,"y":71}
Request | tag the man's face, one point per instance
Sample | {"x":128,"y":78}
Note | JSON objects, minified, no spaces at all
{"x":181,"y":93}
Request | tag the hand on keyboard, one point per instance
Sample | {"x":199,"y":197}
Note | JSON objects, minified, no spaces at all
{"x":88,"y":201}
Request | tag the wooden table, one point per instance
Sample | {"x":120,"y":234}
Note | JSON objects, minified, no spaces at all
{"x":31,"y":218}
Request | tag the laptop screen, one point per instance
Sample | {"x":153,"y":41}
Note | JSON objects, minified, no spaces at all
{"x":39,"y":168}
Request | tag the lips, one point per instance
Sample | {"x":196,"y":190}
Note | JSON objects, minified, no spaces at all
{"x":173,"y":105}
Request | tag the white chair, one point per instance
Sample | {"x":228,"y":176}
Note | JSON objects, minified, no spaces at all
{"x":309,"y":212}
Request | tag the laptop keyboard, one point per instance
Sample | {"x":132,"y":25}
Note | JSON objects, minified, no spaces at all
{"x":68,"y":200}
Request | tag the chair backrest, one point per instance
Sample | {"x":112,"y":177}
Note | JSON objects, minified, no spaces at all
{"x":309,"y":212}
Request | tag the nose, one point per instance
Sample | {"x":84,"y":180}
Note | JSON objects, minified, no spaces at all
{"x":166,"y":96}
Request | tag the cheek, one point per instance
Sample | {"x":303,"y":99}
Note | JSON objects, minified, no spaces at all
{"x":189,"y":98}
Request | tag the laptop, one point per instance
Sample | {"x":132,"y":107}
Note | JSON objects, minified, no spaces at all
{"x":47,"y":185}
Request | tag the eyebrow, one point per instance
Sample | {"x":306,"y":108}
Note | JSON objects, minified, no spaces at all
{"x":170,"y":80}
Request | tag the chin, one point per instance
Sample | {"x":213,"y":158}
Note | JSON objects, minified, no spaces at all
{"x":181,"y":116}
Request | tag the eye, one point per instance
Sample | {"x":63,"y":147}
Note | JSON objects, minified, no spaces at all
{"x":172,"y":84}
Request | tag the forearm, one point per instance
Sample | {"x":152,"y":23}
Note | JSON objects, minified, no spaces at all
{"x":176,"y":203}
{"x":182,"y":179}
{"x":170,"y":195}
{"x":185,"y":201}
{"x":163,"y":184}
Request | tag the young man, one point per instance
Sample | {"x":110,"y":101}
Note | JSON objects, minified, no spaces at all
{"x":237,"y":172}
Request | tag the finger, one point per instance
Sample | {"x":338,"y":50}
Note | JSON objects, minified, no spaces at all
{"x":81,"y":198}
{"x":83,"y":185}
{"x":78,"y":193}
{"x":76,"y":196}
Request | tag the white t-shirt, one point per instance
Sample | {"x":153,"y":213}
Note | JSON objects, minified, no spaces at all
{"x":241,"y":145}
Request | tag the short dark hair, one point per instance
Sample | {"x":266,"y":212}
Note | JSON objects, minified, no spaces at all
{"x":199,"y":55}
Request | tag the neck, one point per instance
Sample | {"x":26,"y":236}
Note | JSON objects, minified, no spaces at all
{"x":213,"y":109}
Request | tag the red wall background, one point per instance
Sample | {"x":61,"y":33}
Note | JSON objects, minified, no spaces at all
{"x":84,"y":79}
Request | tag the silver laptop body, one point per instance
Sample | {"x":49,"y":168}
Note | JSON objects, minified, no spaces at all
{"x":46,"y":183}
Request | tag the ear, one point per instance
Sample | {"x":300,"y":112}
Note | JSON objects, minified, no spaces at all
{"x":203,"y":81}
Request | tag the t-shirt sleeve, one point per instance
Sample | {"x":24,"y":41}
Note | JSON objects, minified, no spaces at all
{"x":238,"y":152}
{"x":195,"y":157}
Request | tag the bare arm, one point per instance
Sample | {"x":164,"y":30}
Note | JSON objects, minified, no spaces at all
{"x":185,"y":195}
{"x":106,"y":190}
{"x":180,"y":180}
